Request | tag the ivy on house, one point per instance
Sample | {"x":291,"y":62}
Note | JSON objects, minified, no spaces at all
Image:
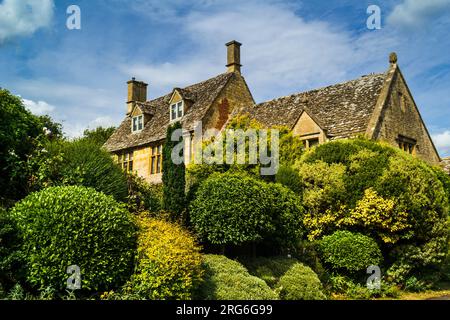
{"x":173,"y":178}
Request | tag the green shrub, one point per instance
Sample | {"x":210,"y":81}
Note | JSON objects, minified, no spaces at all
{"x":343,"y":285}
{"x":290,"y":178}
{"x":11,"y":260}
{"x":80,"y":162}
{"x":379,"y":191}
{"x":143,"y":196}
{"x":64,"y":226}
{"x":168,"y":264}
{"x":269,"y":269}
{"x":226,"y":279}
{"x":173,"y":176}
{"x":234,"y":208}
{"x":351,"y":252}
{"x":300,"y":283}
{"x":19,"y":130}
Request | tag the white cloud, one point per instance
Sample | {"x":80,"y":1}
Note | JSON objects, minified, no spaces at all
{"x":23,"y":17}
{"x":281,"y":53}
{"x":418,"y":13}
{"x":38,"y":107}
{"x":442,"y":142}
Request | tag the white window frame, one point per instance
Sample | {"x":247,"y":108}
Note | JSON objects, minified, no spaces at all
{"x":179,"y":108}
{"x":139,"y":123}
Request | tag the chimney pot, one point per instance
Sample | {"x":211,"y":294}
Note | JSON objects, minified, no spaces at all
{"x":234,"y":56}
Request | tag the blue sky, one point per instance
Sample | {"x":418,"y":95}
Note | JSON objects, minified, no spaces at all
{"x":79,"y":76}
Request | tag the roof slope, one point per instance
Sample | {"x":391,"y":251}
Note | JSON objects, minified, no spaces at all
{"x":342,"y":110}
{"x":202,"y":95}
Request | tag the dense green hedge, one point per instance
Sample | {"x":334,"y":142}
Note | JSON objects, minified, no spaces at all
{"x":64,"y":226}
{"x":344,"y":250}
{"x":226,"y":279}
{"x":233,"y":208}
{"x":11,"y":260}
{"x":379,"y":191}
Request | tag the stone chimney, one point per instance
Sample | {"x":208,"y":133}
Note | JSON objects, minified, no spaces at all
{"x":137,"y":92}
{"x":234,"y":56}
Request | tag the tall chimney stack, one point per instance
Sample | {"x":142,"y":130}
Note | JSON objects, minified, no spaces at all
{"x":234,"y":56}
{"x":137,"y":92}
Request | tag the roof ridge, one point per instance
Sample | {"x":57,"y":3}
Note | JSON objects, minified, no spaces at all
{"x":321,"y":88}
{"x":187,"y":88}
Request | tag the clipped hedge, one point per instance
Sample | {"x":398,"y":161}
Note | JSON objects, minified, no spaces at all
{"x":234,"y":208}
{"x":168,"y":263}
{"x":226,"y":279}
{"x":300,"y":283}
{"x":64,"y":226}
{"x":344,"y":250}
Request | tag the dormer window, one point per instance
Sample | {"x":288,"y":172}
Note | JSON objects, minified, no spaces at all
{"x":138,"y":123}
{"x":176,"y":111}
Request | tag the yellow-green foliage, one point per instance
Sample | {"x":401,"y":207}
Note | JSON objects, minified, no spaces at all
{"x":168,"y":263}
{"x":290,"y":150}
{"x":379,"y":191}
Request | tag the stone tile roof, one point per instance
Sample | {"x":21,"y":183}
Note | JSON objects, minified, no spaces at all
{"x":201,"y":96}
{"x":343,"y":110}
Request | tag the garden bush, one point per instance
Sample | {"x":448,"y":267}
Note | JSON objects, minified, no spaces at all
{"x":234,"y":208}
{"x":269,"y":269}
{"x":300,"y":283}
{"x":380,"y":191}
{"x":290,"y":178}
{"x":352,"y":252}
{"x":11,"y":261}
{"x":143,"y":196}
{"x":80,"y":162}
{"x":64,"y":226}
{"x":226,"y":279}
{"x":168,"y":265}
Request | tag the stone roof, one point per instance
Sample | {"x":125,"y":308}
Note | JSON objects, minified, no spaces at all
{"x":343,"y":110}
{"x":200,"y":95}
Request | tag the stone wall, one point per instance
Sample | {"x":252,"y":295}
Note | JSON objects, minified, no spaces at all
{"x":401,"y":117}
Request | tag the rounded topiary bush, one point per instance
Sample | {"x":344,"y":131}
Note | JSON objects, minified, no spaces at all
{"x":226,"y":279}
{"x":65,"y":226}
{"x":169,"y":262}
{"x":344,"y":250}
{"x":234,"y":208}
{"x":300,"y":283}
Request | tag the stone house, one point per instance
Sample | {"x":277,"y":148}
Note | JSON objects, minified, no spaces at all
{"x":446,"y":164}
{"x":379,"y":106}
